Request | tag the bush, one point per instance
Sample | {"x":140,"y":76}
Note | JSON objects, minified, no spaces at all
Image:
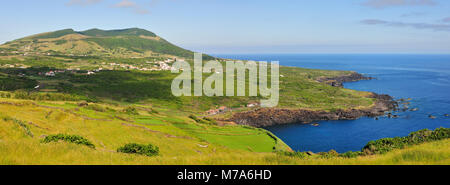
{"x":297,"y":154}
{"x":384,"y":145}
{"x":97,"y":108}
{"x":26,"y":95}
{"x":350,"y":154}
{"x":5,"y":95}
{"x":153,"y":111}
{"x":194,"y":118}
{"x":131,"y":111}
{"x":205,"y":120}
{"x":68,"y":138}
{"x":329,"y":154}
{"x":210,"y":120}
{"x":272,"y":136}
{"x":426,"y":135}
{"x":133,"y":148}
{"x":11,"y":83}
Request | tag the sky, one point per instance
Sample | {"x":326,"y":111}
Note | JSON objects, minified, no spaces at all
{"x":249,"y":26}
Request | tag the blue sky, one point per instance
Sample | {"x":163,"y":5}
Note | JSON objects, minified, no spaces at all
{"x":249,"y":26}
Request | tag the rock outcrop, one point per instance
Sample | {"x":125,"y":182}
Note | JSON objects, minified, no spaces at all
{"x":339,"y":80}
{"x":264,"y":117}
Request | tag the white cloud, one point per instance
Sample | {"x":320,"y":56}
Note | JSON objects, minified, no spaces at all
{"x":125,"y":4}
{"x":435,"y":27}
{"x":391,"y":3}
{"x":132,"y":5}
{"x":413,"y":14}
{"x":83,"y":2}
{"x":447,"y":19}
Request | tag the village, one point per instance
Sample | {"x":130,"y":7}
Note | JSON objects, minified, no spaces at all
{"x":148,"y":66}
{"x":163,"y":65}
{"x":224,"y":109}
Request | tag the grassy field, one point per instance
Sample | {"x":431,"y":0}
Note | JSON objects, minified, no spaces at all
{"x":180,"y":139}
{"x":298,"y":86}
{"x":99,"y":122}
{"x":33,"y":152}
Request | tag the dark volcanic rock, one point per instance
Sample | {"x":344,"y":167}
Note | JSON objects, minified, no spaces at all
{"x":338,"y":81}
{"x":263,"y":117}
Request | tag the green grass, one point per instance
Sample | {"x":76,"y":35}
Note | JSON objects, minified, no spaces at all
{"x":235,"y":137}
{"x":72,"y":118}
{"x":111,"y":33}
{"x":181,"y":143}
{"x":11,"y":83}
{"x":140,"y":45}
{"x":54,"y":34}
{"x":298,"y":89}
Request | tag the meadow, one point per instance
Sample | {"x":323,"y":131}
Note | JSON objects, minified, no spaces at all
{"x":181,"y":140}
{"x":298,"y":86}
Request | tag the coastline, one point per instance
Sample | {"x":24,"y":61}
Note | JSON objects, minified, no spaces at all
{"x":340,"y":80}
{"x":263,"y":117}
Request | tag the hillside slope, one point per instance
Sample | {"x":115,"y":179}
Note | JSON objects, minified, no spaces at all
{"x":132,"y":42}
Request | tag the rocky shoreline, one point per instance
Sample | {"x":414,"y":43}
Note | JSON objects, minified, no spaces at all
{"x":263,"y":117}
{"x":338,"y":81}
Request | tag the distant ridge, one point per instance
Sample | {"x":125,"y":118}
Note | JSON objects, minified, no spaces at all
{"x":109,"y":33}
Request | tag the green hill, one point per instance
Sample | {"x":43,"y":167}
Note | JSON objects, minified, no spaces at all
{"x":54,"y":34}
{"x":111,"y":33}
{"x":123,"y":43}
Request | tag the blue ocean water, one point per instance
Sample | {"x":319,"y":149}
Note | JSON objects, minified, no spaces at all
{"x":423,"y":78}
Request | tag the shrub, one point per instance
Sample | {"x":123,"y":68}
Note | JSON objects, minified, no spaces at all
{"x":384,"y":145}
{"x":297,"y":154}
{"x":205,"y":120}
{"x":426,"y":135}
{"x":272,"y":136}
{"x":153,"y":111}
{"x":5,"y":95}
{"x":329,"y":154}
{"x":97,"y":108}
{"x":133,"y":148}
{"x":131,"y":111}
{"x":21,"y":94}
{"x":24,"y":126}
{"x":194,"y":118}
{"x":59,"y":42}
{"x":210,"y":120}
{"x":68,"y":138}
{"x":11,"y":83}
{"x":350,"y":154}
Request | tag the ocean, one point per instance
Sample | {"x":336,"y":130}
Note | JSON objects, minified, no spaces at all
{"x":423,"y":78}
